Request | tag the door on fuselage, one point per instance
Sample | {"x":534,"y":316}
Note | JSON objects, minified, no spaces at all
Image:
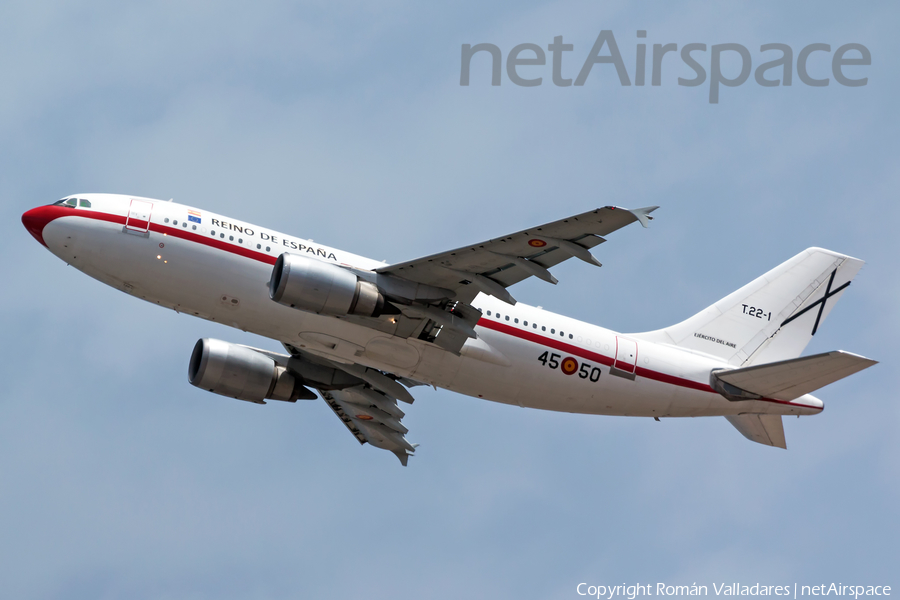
{"x":138,"y":220}
{"x":626,"y":358}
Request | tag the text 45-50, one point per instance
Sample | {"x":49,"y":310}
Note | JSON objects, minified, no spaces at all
{"x":570,"y":366}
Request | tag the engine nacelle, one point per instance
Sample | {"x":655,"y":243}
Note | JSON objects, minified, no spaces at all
{"x":239,"y":372}
{"x":322,"y":288}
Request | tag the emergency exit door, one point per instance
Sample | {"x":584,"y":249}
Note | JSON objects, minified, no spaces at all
{"x":626,"y":355}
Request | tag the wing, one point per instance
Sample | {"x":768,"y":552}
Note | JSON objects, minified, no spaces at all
{"x":492,"y":266}
{"x":364,"y":411}
{"x":364,"y":399}
{"x":430,"y":298}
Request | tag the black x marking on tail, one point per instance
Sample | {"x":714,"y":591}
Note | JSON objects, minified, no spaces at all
{"x":821,"y":302}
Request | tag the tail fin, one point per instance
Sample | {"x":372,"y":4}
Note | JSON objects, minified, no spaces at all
{"x":773,"y":317}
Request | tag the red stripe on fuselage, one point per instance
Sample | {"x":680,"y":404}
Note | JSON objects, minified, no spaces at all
{"x":212,"y":242}
{"x":605,"y":360}
{"x":587,"y":354}
{"x":50,"y":213}
{"x":543,"y":340}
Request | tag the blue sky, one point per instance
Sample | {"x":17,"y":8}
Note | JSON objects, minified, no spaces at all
{"x":345,"y":122}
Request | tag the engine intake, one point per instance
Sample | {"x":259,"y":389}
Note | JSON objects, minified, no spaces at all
{"x":239,"y":372}
{"x":322,"y":288}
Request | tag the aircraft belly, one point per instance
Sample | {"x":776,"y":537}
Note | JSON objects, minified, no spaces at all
{"x":436,"y":366}
{"x":472,"y":376}
{"x":180,"y":275}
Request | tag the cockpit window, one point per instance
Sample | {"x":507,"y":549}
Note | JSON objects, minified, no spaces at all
{"x":73,"y":202}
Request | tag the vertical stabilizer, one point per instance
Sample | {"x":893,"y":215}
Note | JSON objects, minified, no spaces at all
{"x":773,"y":317}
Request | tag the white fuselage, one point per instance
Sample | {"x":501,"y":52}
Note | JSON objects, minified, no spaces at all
{"x":219,"y":269}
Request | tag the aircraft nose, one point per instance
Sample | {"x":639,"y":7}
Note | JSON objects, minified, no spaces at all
{"x":36,"y":219}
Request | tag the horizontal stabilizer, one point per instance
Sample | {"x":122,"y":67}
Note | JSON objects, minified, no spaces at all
{"x":790,"y":379}
{"x":763,"y":429}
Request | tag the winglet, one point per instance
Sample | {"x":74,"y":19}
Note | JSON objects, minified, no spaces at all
{"x":643,"y":214}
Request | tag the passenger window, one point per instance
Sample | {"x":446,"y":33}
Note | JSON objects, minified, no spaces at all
{"x":166,"y":220}
{"x":517,"y":320}
{"x":489,"y":313}
{"x":174,"y":222}
{"x":222,"y":235}
{"x":534,"y":325}
{"x":507,"y":317}
{"x":84,"y":203}
{"x":230,"y":238}
{"x":525,"y":323}
{"x":258,"y":246}
{"x":184,"y":224}
{"x":240,"y":240}
{"x":570,"y":336}
{"x":195,"y":228}
{"x":543,"y":328}
{"x":552,"y":331}
{"x":268,"y":249}
{"x":213,"y":232}
{"x":561,"y":334}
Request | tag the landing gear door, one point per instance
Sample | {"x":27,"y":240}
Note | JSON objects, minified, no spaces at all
{"x":626,"y":358}
{"x":138,"y":220}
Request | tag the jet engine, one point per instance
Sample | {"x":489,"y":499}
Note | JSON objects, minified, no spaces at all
{"x":323,"y":288}
{"x":242,"y":373}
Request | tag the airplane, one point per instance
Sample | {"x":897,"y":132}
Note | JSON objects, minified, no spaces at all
{"x":362,"y":333}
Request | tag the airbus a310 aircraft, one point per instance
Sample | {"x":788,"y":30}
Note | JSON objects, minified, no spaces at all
{"x":362,"y":332}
